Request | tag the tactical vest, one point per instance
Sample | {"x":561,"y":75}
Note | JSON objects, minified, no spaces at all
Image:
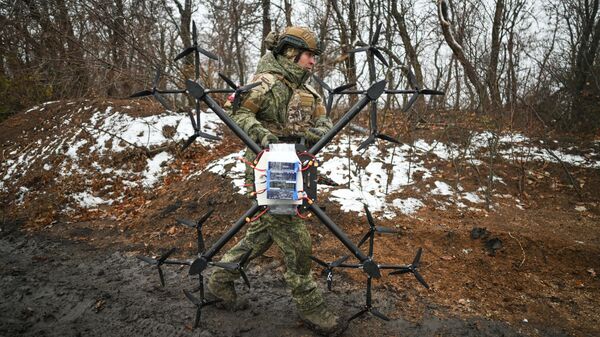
{"x":302,"y":109}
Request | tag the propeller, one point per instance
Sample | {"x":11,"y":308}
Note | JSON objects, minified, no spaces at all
{"x":372,"y":47}
{"x":239,"y":266}
{"x":198,"y":225}
{"x":155,"y":92}
{"x":328,"y":272}
{"x":158,"y":262}
{"x":197,"y":49}
{"x":199,"y":303}
{"x":239,"y":90}
{"x":375,"y":133}
{"x":197,"y":91}
{"x":413,"y":269}
{"x":369,"y":306}
{"x":373,"y":52}
{"x":332,"y":92}
{"x":415,"y":91}
{"x":374,"y":229}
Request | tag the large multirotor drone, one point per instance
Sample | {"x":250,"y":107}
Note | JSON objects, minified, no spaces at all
{"x":285,"y":181}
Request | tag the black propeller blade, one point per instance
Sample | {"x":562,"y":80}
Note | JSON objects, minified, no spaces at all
{"x":369,"y":306}
{"x":158,"y":263}
{"x":376,"y":135}
{"x":372,"y":47}
{"x":239,"y":266}
{"x":367,"y":142}
{"x":375,"y":229}
{"x":155,"y":92}
{"x":199,"y":303}
{"x":416,"y":91}
{"x":239,"y":90}
{"x":198,"y":225}
{"x":328,"y":271}
{"x":332,"y":92}
{"x":197,"y":91}
{"x":189,"y":50}
{"x":413,"y":269}
{"x":195,"y":47}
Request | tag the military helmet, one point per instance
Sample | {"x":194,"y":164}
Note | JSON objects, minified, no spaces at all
{"x":298,"y":37}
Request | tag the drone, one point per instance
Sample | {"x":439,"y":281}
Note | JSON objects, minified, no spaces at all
{"x":285,"y":181}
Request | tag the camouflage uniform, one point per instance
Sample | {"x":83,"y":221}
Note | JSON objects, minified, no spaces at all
{"x":282,"y":106}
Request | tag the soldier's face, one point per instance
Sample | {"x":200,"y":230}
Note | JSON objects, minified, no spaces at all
{"x":307,"y":60}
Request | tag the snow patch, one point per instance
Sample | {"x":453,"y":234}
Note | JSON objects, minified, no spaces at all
{"x":155,"y":170}
{"x":408,"y":206}
{"x":87,"y":200}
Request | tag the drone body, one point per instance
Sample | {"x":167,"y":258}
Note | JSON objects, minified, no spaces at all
{"x":285,"y":177}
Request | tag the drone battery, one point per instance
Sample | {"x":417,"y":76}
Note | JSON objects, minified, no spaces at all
{"x":282,"y":180}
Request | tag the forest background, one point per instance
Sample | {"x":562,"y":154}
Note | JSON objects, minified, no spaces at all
{"x":513,"y":60}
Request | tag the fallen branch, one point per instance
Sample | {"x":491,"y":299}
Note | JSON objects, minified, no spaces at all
{"x":148,"y":152}
{"x":564,"y":166}
{"x":522,"y":250}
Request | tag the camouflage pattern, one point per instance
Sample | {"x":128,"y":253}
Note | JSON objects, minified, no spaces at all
{"x":283,"y":105}
{"x":292,"y":238}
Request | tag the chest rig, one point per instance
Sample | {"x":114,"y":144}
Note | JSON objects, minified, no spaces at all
{"x":300,"y":110}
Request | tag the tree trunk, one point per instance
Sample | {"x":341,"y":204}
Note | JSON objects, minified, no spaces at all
{"x":266,"y":23}
{"x":288,"y":12}
{"x":411,"y":52}
{"x":492,"y":73}
{"x":469,"y":68}
{"x":347,"y":38}
{"x":584,"y":62}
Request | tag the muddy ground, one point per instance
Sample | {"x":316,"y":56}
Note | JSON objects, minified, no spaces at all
{"x":63,"y":286}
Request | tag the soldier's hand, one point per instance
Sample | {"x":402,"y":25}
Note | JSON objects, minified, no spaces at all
{"x":313,"y":135}
{"x":267,"y":139}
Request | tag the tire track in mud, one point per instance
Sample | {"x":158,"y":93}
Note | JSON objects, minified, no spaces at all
{"x":57,"y":287}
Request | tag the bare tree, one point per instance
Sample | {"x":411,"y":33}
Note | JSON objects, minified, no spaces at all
{"x":469,"y":68}
{"x":266,"y":23}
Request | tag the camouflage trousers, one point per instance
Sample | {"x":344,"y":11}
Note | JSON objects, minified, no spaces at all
{"x":289,"y":233}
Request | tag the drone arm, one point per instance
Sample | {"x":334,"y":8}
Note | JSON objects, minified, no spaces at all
{"x":202,"y":262}
{"x":318,"y":212}
{"x":242,"y":221}
{"x":231,"y":124}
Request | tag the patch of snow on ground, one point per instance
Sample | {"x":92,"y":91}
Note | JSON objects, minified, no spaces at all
{"x":145,"y":131}
{"x":408,"y":206}
{"x":155,"y":170}
{"x":441,"y":188}
{"x":72,"y":151}
{"x":87,"y":200}
{"x":372,"y":184}
{"x":472,"y":197}
{"x":231,"y":167}
{"x":21,"y":194}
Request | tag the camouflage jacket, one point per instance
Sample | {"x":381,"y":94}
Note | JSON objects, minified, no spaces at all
{"x":283,"y":105}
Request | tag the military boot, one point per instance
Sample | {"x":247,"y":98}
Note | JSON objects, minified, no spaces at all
{"x":225,"y":291}
{"x":322,"y":321}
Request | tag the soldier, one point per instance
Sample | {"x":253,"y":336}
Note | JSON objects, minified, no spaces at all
{"x":282,"y":109}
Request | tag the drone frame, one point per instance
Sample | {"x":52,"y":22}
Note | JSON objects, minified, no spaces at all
{"x":204,"y":257}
